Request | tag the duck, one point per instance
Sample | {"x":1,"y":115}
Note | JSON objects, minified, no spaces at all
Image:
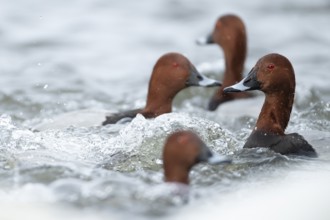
{"x":182,"y":151}
{"x":172,"y":73}
{"x":273,"y":74}
{"x":230,"y":34}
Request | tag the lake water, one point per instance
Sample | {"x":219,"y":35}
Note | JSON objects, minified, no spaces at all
{"x":61,"y":56}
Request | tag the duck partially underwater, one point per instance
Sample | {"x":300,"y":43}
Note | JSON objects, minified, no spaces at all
{"x":182,"y":151}
{"x":230,"y":34}
{"x":172,"y":73}
{"x":274,"y":75}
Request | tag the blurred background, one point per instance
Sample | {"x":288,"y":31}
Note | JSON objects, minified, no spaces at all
{"x":60,"y":56}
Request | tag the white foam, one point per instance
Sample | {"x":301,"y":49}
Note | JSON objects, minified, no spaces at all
{"x":39,"y":211}
{"x":302,"y":195}
{"x":217,"y":159}
{"x":79,"y":118}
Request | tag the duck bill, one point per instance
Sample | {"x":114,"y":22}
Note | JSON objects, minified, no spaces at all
{"x":206,"y":155}
{"x":219,"y":159}
{"x":207,"y":82}
{"x":248,"y":83}
{"x":197,"y":79}
{"x":205,"y":40}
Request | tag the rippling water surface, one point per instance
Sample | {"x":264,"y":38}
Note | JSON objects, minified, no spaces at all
{"x":60,"y":56}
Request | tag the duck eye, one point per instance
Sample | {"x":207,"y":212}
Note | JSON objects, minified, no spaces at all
{"x":270,"y":66}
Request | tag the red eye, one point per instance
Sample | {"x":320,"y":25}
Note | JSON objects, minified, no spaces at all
{"x":175,"y":64}
{"x":271,"y":66}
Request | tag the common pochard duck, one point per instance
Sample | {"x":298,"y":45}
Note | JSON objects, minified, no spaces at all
{"x":273,"y":74}
{"x":183,"y":150}
{"x":172,"y":73}
{"x":230,"y":34}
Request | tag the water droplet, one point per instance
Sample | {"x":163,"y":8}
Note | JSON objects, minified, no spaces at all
{"x":159,"y":161}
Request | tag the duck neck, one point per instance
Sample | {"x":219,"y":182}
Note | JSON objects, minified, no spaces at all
{"x":177,"y":175}
{"x":234,"y":64}
{"x":275,"y":113}
{"x":159,"y":101}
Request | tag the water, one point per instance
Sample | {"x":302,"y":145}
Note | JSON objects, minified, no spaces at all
{"x":62,"y":56}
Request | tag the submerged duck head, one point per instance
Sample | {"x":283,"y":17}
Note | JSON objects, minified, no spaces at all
{"x":183,"y":150}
